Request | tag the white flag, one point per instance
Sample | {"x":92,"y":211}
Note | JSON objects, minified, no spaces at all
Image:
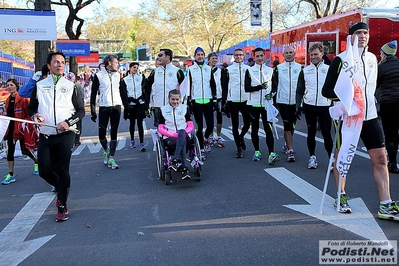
{"x":350,"y":107}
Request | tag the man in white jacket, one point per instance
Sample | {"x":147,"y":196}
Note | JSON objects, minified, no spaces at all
{"x":235,"y":98}
{"x":315,"y":105}
{"x":164,"y":78}
{"x":55,"y":101}
{"x":371,"y":133}
{"x":111,"y":96}
{"x":258,"y":84}
{"x":284,"y":83}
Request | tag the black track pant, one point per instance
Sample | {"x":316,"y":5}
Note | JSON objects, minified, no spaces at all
{"x":111,"y":115}
{"x":320,"y":113}
{"x":133,"y":116}
{"x":54,"y":156}
{"x":256,"y":113}
{"x":390,"y":124}
{"x":201,"y":111}
{"x":235,"y":108}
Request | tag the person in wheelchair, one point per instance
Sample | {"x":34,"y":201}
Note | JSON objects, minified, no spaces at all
{"x":174,"y":125}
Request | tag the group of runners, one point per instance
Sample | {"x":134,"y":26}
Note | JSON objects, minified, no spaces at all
{"x":204,"y":90}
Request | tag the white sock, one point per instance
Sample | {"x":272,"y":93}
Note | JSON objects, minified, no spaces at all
{"x":386,"y":202}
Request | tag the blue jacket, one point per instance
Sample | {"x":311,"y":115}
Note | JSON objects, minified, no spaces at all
{"x":26,"y":90}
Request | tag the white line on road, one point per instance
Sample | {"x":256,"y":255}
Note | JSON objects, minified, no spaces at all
{"x":360,"y":222}
{"x":13,"y":249}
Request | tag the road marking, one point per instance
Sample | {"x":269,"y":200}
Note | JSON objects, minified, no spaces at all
{"x":13,"y":249}
{"x":91,"y":142}
{"x":360,"y":222}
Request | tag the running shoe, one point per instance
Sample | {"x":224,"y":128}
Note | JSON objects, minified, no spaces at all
{"x":312,"y":162}
{"x":239,"y":153}
{"x":133,"y":144}
{"x":53,"y":189}
{"x":343,"y":206}
{"x":291,"y":156}
{"x":112,"y":164}
{"x":220,"y":142}
{"x":273,"y":158}
{"x":285,"y":149}
{"x":174,"y":165}
{"x":242,"y":140}
{"x":185,"y":173}
{"x":393,"y":168}
{"x":8,"y":179}
{"x":106,"y":157}
{"x":35,"y":169}
{"x":207,"y":145}
{"x":142,"y":147}
{"x":389,"y":211}
{"x":203,"y":155}
{"x":211,"y":141}
{"x":62,"y":214}
{"x":332,"y":165}
{"x":257,"y":156}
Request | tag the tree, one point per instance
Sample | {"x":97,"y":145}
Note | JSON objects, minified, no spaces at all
{"x":109,"y":31}
{"x":73,"y":32}
{"x":42,"y":48}
{"x":212,"y":24}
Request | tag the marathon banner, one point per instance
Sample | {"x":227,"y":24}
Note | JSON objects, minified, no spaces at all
{"x":74,"y":47}
{"x":256,"y":12}
{"x":23,"y":24}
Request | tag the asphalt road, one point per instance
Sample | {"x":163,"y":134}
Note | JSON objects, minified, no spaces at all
{"x":237,"y":215}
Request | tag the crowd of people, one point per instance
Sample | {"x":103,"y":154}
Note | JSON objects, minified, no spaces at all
{"x":204,"y":90}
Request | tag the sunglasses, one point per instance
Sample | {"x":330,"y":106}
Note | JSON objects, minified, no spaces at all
{"x":160,"y":55}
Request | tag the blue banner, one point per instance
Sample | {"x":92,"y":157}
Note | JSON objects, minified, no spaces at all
{"x":74,"y":47}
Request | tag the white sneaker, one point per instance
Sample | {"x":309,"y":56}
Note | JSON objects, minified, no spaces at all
{"x":332,"y":165}
{"x":285,"y":149}
{"x":312,"y":162}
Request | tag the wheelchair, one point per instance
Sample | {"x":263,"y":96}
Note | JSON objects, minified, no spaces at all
{"x":166,"y":150}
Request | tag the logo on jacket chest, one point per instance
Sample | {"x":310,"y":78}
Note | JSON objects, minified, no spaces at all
{"x":63,"y":89}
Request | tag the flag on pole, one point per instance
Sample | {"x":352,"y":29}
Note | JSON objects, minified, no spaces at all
{"x":3,"y":127}
{"x":350,"y":107}
{"x":271,"y":110}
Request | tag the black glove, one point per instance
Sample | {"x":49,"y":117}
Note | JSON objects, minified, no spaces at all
{"x":93,"y":116}
{"x":148,"y":112}
{"x":265,"y":85}
{"x":190,"y":106}
{"x":268,"y":96}
{"x":126,"y":114}
{"x":214,"y":105}
{"x":226,"y":109}
{"x":298,"y":113}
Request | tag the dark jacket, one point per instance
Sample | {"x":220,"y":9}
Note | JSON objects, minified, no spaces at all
{"x":388,"y":80}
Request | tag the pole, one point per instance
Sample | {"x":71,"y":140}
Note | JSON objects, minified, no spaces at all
{"x":36,"y":123}
{"x":328,"y":168}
